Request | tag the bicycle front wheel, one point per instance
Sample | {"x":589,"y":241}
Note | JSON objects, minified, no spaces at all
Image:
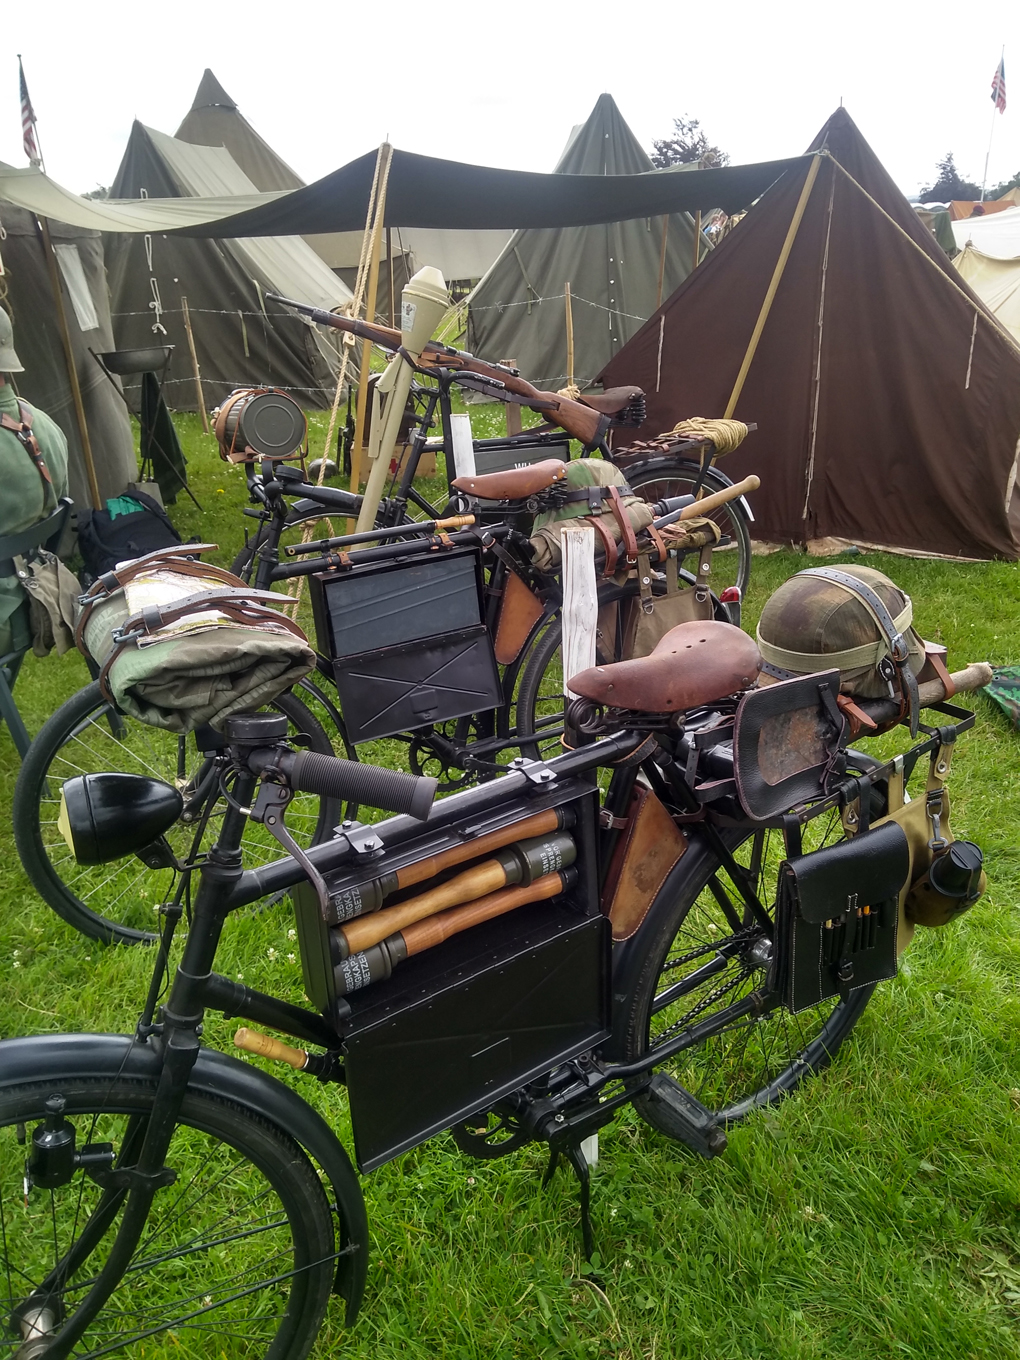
{"x":116,"y":902}
{"x":237,"y":1257}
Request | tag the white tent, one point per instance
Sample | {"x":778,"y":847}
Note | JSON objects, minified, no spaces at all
{"x":989,"y":260}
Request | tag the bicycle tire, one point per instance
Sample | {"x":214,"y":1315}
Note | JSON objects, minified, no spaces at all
{"x":246,"y":1203}
{"x":660,"y":478}
{"x":78,"y":739}
{"x":757,"y":1060}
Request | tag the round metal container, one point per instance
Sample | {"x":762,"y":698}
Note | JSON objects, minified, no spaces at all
{"x":259,"y":422}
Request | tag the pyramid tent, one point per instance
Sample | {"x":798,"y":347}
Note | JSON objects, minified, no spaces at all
{"x":215,"y":120}
{"x":240,"y":339}
{"x":887,"y":397}
{"x":518,"y":311}
{"x":29,"y":299}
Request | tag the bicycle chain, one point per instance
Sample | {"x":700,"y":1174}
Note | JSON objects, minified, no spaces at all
{"x":715,"y":995}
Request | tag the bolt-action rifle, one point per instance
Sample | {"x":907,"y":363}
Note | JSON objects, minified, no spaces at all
{"x":579,"y":419}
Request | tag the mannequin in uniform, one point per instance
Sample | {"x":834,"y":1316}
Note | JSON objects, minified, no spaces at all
{"x":30,"y":483}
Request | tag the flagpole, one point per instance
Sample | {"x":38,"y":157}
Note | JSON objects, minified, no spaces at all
{"x":991,"y":133}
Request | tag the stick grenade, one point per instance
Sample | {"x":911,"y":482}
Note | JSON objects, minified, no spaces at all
{"x":369,"y":896}
{"x":378,"y":962}
{"x":709,"y":503}
{"x":580,"y":610}
{"x":196,"y":371}
{"x":975,"y":676}
{"x":522,"y":863}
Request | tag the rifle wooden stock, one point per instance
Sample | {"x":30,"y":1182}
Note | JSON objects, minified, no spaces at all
{"x":428,"y":933}
{"x":579,"y":421}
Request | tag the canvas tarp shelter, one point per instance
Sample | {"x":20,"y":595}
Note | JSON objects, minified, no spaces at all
{"x":518,"y":309}
{"x":240,"y":339}
{"x":423,"y":191}
{"x":28,"y":296}
{"x":887,"y":398}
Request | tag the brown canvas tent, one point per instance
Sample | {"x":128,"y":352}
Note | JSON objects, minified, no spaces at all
{"x":887,"y":397}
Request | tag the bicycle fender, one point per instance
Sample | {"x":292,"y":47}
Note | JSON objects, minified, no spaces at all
{"x":52,"y":1056}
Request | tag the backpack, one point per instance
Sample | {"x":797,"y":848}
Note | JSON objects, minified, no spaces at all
{"x":106,"y":538}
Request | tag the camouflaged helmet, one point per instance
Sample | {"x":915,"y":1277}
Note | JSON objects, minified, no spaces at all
{"x":814,"y":621}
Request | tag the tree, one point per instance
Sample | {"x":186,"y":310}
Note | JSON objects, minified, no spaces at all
{"x":1005,"y":186}
{"x":688,"y":143}
{"x":949,"y":183}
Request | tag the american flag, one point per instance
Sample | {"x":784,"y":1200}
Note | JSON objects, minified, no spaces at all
{"x":998,"y":87}
{"x":29,"y":139}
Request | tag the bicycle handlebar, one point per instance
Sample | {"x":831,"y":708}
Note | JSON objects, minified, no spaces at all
{"x":351,"y":781}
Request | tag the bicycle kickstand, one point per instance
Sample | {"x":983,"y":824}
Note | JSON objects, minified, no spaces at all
{"x":579,"y":1162}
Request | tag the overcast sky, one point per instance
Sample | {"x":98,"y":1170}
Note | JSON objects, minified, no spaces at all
{"x":502,"y":84}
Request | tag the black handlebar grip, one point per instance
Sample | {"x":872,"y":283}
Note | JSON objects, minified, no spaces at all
{"x":392,"y":790}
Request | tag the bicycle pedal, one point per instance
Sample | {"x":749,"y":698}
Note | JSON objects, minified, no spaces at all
{"x":698,"y":1127}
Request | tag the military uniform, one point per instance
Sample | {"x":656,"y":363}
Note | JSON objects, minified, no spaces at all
{"x":26,"y":496}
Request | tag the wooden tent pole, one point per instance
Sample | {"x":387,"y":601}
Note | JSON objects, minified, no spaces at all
{"x":570,"y":334}
{"x":777,"y":274}
{"x":72,"y":372}
{"x":662,"y":262}
{"x":358,"y":450}
{"x":194,"y":365}
{"x":389,"y":262}
{"x":697,"y":239}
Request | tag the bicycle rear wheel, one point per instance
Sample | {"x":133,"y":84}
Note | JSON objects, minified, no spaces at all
{"x":116,"y":902}
{"x":699,"y":960}
{"x":237,"y":1257}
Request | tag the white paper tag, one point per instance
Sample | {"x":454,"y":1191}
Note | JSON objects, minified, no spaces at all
{"x":408,"y":311}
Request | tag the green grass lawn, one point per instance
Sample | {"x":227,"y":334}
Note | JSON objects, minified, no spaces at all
{"x":874,"y":1215}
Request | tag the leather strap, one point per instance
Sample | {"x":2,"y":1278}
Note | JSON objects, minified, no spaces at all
{"x":608,"y":542}
{"x":238,"y":606}
{"x":899,"y":651}
{"x":22,"y":431}
{"x":627,"y":535}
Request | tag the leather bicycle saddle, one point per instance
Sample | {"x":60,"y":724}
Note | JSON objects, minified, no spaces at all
{"x":693,"y":664}
{"x":613,"y":401}
{"x":515,"y":483}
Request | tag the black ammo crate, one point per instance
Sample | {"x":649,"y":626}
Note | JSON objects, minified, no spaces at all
{"x":457,"y":1027}
{"x":407,"y":642}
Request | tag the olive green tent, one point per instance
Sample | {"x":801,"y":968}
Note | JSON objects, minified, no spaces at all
{"x":28,"y":297}
{"x":241,"y":340}
{"x":518,"y":310}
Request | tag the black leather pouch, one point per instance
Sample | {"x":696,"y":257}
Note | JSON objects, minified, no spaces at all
{"x":837,"y":911}
{"x":786,"y":739}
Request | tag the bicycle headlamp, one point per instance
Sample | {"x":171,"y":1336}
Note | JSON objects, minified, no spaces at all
{"x":107,"y":816}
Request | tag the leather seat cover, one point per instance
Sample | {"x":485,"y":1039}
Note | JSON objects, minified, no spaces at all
{"x":693,"y":664}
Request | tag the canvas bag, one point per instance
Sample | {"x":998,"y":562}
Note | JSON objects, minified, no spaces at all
{"x":649,"y":617}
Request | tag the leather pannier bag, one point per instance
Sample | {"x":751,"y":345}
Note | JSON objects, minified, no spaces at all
{"x":837,"y":916}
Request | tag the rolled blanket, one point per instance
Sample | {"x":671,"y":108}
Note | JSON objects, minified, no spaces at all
{"x":197,"y":669}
